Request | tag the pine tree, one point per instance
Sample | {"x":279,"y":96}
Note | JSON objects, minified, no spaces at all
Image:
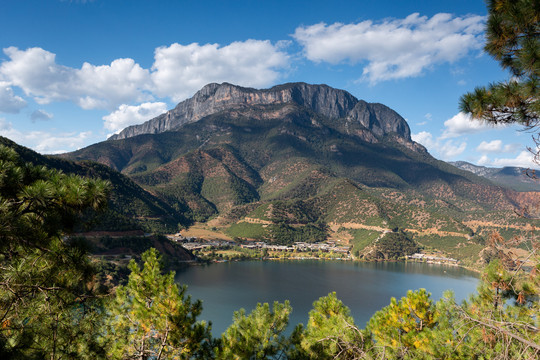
{"x":47,"y":306}
{"x":501,"y":320}
{"x":405,"y":326}
{"x":257,"y":335}
{"x":152,"y":318}
{"x":331,"y":332}
{"x":511,"y":330}
{"x":513,"y":39}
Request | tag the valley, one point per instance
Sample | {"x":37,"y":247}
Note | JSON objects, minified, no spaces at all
{"x":301,"y":162}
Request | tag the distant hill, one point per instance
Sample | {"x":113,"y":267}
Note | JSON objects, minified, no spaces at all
{"x":130,"y":206}
{"x":517,"y":178}
{"x":307,"y":162}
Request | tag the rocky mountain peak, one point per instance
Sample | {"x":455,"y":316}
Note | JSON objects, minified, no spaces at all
{"x":321,"y":99}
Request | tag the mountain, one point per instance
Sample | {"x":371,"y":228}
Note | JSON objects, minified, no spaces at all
{"x":517,"y":178}
{"x":321,"y":99}
{"x":307,"y":162}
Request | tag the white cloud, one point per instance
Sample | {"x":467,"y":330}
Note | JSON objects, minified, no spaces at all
{"x":461,"y":124}
{"x":494,"y":146}
{"x":449,"y":150}
{"x":127,"y":115}
{"x":36,"y":72}
{"x":109,"y":85}
{"x":43,"y":141}
{"x":524,"y":159}
{"x":446,"y":150}
{"x":9,"y":102}
{"x":425,"y":138}
{"x":180,"y":70}
{"x":511,"y":148}
{"x":396,"y":48}
{"x":40,"y":115}
{"x":484,"y":160}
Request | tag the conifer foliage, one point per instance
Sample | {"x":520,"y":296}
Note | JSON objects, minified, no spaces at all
{"x":152,"y":318}
{"x":513,"y":39}
{"x":406,"y":325}
{"x":257,"y":335}
{"x":331,"y":332}
{"x":47,"y":308}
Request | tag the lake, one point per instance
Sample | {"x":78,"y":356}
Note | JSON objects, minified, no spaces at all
{"x":364,"y":287}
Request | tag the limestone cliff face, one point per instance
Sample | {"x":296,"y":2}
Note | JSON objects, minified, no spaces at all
{"x":379,"y":118}
{"x":322,"y":99}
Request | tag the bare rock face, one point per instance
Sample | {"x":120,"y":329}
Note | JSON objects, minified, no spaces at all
{"x":332,"y":103}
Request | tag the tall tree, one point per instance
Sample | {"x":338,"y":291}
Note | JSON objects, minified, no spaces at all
{"x":513,"y":39}
{"x":501,"y":320}
{"x":404,"y":326}
{"x":331,"y":332}
{"x":47,"y":308}
{"x":258,"y":335}
{"x":152,"y":318}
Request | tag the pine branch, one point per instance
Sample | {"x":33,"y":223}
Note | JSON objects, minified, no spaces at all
{"x":498,"y":326}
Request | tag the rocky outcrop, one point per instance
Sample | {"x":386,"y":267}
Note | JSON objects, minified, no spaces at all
{"x":379,"y":118}
{"x":326,"y":101}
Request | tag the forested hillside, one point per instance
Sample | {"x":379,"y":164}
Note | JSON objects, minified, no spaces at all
{"x":129,"y":207}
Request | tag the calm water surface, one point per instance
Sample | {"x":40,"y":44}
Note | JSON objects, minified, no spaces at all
{"x":363,"y":287}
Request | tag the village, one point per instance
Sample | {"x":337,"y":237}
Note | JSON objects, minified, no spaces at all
{"x":199,"y":244}
{"x":193,"y":244}
{"x":432,"y":259}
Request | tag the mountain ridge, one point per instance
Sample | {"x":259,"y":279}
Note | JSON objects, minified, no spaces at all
{"x":322,"y":99}
{"x":514,"y":177}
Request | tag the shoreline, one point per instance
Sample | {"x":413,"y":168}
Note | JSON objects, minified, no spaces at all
{"x":208,"y":262}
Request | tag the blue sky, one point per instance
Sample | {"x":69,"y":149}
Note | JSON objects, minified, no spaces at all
{"x":74,"y":72}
